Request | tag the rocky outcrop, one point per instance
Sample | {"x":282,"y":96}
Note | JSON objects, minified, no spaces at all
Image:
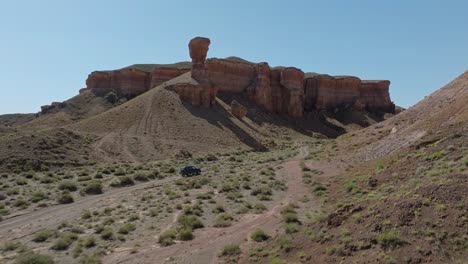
{"x":198,"y":48}
{"x":229,"y":76}
{"x":53,"y":106}
{"x":129,"y":82}
{"x":292,"y":79}
{"x":260,"y":91}
{"x":325,"y":92}
{"x":375,"y":96}
{"x":125,"y":82}
{"x":163,"y":74}
{"x":196,"y":94}
{"x":238,"y":110}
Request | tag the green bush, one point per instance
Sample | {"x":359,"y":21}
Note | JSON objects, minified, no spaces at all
{"x":90,"y":260}
{"x":141,"y":176}
{"x":65,"y":198}
{"x":43,"y":235}
{"x":93,"y":187}
{"x":62,"y":243}
{"x":390,"y":239}
{"x":223,"y":220}
{"x":126,"y":228}
{"x":190,"y":221}
{"x":68,"y":185}
{"x":167,"y":238}
{"x":230,"y":250}
{"x":286,"y":244}
{"x":89,"y":242}
{"x":259,"y":236}
{"x":33,"y":258}
{"x":259,"y":208}
{"x":186,"y":234}
{"x":38,"y":196}
{"x":107,"y":233}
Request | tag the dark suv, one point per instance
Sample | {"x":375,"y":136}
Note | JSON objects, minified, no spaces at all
{"x":190,"y":171}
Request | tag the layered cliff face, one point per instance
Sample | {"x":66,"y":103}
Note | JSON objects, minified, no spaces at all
{"x":230,"y":76}
{"x":375,"y":96}
{"x":282,"y":90}
{"x":325,"y":92}
{"x":164,"y":74}
{"x":129,"y":82}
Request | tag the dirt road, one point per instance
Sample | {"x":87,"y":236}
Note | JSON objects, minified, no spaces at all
{"x":209,"y":242}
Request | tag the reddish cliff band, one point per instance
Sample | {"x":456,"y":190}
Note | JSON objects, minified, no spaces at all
{"x":282,"y":90}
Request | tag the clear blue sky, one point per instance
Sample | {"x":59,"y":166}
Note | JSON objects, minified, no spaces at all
{"x":47,"y":48}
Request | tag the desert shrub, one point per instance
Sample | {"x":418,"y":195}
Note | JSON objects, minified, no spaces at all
{"x":86,"y":214}
{"x":89,"y":242}
{"x":94,"y":187}
{"x":107,"y":233}
{"x":285,"y":243}
{"x":20,"y":203}
{"x":126,"y":228}
{"x":12,"y":245}
{"x":265,"y":190}
{"x":33,"y":258}
{"x":291,"y":228}
{"x":259,"y":236}
{"x":259,"y":208}
{"x":63,"y":243}
{"x":141,"y":176}
{"x":65,"y":198}
{"x":154,"y":174}
{"x":90,"y":259}
{"x":120,"y":172}
{"x":190,"y":221}
{"x":230,"y":250}
{"x":167,"y":238}
{"x":68,"y":185}
{"x":223,"y":220}
{"x":390,"y":239}
{"x":46,"y":180}
{"x":21,"y":181}
{"x":185,"y":234}
{"x":43,"y":235}
{"x":218,"y":209}
{"x":38,"y":196}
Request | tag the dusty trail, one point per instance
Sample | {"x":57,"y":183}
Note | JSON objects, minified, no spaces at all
{"x":209,"y":242}
{"x":29,"y":223}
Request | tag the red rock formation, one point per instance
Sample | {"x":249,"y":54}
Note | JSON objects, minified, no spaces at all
{"x":163,"y":74}
{"x":196,"y":94}
{"x":130,"y":82}
{"x":230,"y":76}
{"x":125,"y":82}
{"x":278,"y":90}
{"x":376,"y":97}
{"x":238,"y":110}
{"x":292,"y":79}
{"x":324,"y":92}
{"x":99,"y":82}
{"x":198,"y":48}
{"x":260,"y":91}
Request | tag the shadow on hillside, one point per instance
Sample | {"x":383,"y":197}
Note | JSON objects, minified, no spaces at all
{"x":312,"y":122}
{"x":220,"y":118}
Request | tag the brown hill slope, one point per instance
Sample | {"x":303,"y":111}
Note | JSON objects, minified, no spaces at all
{"x":446,"y":108}
{"x":402,"y":197}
